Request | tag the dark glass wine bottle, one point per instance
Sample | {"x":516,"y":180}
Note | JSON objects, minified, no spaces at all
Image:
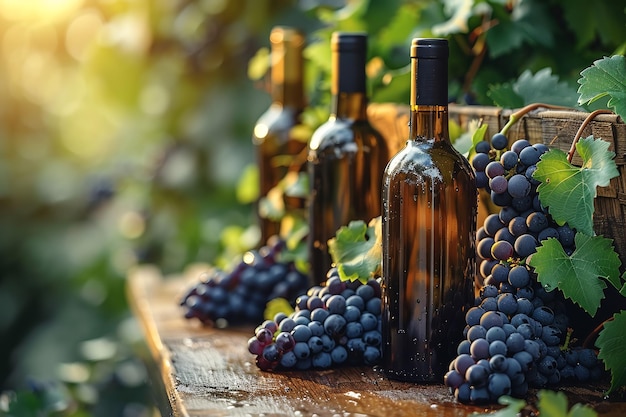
{"x":428,"y":226}
{"x":276,"y":147}
{"x":347,"y":155}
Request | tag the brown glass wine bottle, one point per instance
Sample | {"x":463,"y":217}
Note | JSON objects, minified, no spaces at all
{"x":428,"y":226}
{"x":347,"y":155}
{"x":276,"y":146}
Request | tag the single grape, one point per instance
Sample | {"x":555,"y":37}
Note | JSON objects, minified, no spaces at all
{"x":499,"y":384}
{"x":484,"y":247}
{"x":357,"y":301}
{"x":492,"y":224}
{"x":494,"y":169}
{"x":519,"y":145}
{"x":507,"y":303}
{"x":498,"y":184}
{"x":515,"y":343}
{"x":339,"y":354}
{"x":499,"y":141}
{"x":547,"y":233}
{"x":536,"y":222}
{"x":544,"y":315}
{"x":519,"y":186}
{"x":480,"y":161}
{"x":502,"y":250}
{"x":453,"y":379}
{"x":483,"y":147}
{"x":517,"y":226}
{"x":497,"y":347}
{"x":462,"y":393}
{"x":477,"y":375}
{"x":491,"y":319}
{"x":519,"y":276}
{"x":508,"y":160}
{"x":529,"y":156}
{"x":336,"y":304}
{"x":476,"y":332}
{"x":335,"y":325}
{"x":525,"y":245}
{"x":285,"y":342}
{"x":463,"y":362}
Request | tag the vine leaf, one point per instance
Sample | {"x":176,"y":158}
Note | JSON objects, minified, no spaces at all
{"x":607,"y":76}
{"x":512,"y":409}
{"x":541,"y":87}
{"x":568,"y":191}
{"x":554,"y":404}
{"x":612,"y":344}
{"x":357,"y":250}
{"x":578,"y":276}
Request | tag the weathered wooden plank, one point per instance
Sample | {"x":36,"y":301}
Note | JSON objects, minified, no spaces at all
{"x":209,"y":372}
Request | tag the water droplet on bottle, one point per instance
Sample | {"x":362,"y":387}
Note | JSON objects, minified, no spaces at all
{"x":419,"y":301}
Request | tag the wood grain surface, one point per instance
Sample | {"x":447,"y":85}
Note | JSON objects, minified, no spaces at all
{"x":209,"y":372}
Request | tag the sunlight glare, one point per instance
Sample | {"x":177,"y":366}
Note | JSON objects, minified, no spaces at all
{"x":38,"y":10}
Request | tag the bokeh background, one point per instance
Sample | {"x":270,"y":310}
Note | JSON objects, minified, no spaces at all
{"x":125,"y":132}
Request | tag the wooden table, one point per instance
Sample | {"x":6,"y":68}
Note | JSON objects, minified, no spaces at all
{"x":204,"y":371}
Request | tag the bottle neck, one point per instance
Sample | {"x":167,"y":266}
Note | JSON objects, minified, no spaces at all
{"x":351,"y":106}
{"x":348,"y":79}
{"x":288,"y":94}
{"x":429,"y":122}
{"x":286,"y":74}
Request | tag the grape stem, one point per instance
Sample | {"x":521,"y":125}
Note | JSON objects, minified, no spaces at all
{"x":582,"y":127}
{"x":516,"y":116}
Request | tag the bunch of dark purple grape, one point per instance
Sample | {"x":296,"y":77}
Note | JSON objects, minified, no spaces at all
{"x":514,"y":333}
{"x":334,"y":324}
{"x":222,"y":298}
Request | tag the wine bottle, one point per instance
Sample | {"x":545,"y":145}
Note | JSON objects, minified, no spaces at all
{"x":277,"y":148}
{"x":428,"y":226}
{"x":347,"y":155}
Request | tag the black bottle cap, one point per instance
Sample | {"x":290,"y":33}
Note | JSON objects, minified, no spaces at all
{"x":349,"y":53}
{"x":429,"y":71}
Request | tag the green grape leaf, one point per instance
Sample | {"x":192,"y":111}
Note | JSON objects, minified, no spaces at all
{"x":512,"y":409}
{"x":247,"y":190}
{"x":542,"y":87}
{"x":578,"y":276}
{"x":612,"y":344}
{"x":275,"y":306}
{"x":607,"y":76}
{"x":554,"y":404}
{"x":259,"y":64}
{"x":357,"y":250}
{"x":568,"y":191}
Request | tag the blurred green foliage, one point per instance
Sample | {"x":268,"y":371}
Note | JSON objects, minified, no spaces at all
{"x":125,"y":129}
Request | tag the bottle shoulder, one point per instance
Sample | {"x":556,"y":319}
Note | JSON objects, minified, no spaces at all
{"x":276,"y":121}
{"x":338,"y":132}
{"x":278,"y":117}
{"x":429,"y":159}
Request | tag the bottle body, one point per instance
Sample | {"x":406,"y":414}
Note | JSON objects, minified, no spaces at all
{"x":346,"y":162}
{"x":346,"y":156}
{"x":278,"y":150}
{"x":428,"y":225}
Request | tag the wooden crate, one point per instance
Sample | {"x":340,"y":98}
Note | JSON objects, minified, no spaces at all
{"x":557,"y":129}
{"x":554,"y":128}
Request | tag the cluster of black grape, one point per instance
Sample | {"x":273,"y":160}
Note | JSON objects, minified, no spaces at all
{"x":334,"y":324}
{"x":514,"y":333}
{"x":239,"y":296}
